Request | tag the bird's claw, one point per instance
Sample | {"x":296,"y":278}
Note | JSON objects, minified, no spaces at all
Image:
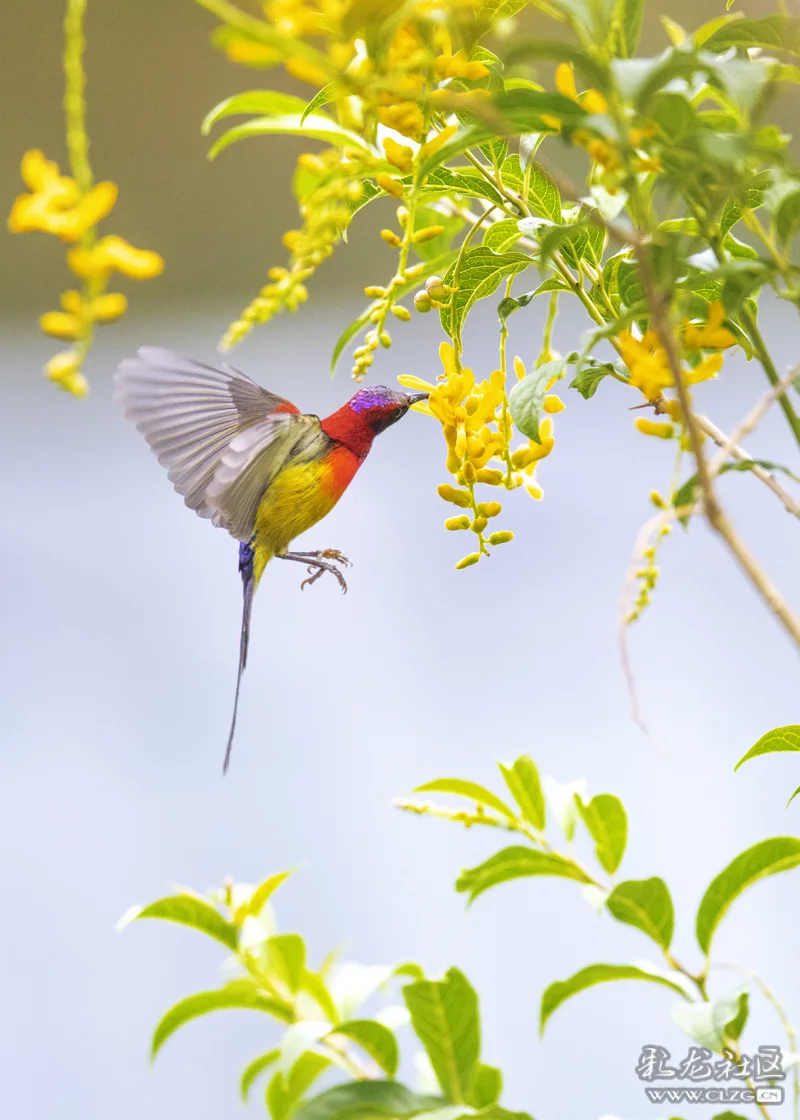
{"x":319,"y":562}
{"x":335,"y":554}
{"x":317,"y":568}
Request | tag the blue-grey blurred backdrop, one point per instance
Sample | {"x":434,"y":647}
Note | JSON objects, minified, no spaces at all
{"x":120,"y":615}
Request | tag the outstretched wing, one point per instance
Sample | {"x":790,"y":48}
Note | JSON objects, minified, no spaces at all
{"x":221,"y":436}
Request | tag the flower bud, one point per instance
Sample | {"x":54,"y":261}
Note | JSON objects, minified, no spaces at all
{"x":454,"y":523}
{"x":422,"y":302}
{"x":468,"y":561}
{"x":392,"y":186}
{"x":456,"y":497}
{"x":501,"y":538}
{"x":435,"y":287}
{"x":374,"y":291}
{"x":489,"y":477}
{"x":490,"y":509}
{"x":470,"y":473}
{"x":385,"y":339}
{"x":430,"y":233}
{"x":654,"y":428}
{"x":402,"y":216}
{"x":478,"y":525}
{"x":401,"y":313}
{"x":391,"y":238}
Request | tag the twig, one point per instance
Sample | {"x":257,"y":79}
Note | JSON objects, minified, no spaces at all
{"x":732,"y":449}
{"x":647,"y":532}
{"x":756,"y":415}
{"x":716,"y":517}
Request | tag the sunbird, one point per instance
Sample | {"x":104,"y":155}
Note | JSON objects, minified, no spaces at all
{"x":250,"y":461}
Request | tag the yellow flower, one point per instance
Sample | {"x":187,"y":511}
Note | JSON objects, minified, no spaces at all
{"x":654,"y":428}
{"x":591,"y":100}
{"x":711,"y":335}
{"x":64,"y":370}
{"x":61,"y":324}
{"x":56,"y":205}
{"x":305,"y":71}
{"x":459,"y":66}
{"x":400,"y":155}
{"x":405,"y":117}
{"x":647,"y":362}
{"x":253,"y":54}
{"x":438,"y":141}
{"x":112,"y":253}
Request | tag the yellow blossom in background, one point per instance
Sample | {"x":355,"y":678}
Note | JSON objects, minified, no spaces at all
{"x":56,"y":205}
{"x":711,"y":335}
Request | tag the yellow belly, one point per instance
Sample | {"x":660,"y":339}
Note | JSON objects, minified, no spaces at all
{"x":298,"y":498}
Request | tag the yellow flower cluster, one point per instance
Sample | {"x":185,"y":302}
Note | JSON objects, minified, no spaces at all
{"x":386,"y":297}
{"x":318,"y":20}
{"x":650,"y":370}
{"x":604,"y":152}
{"x":477,"y":429}
{"x":57,"y":206}
{"x":326,"y":212}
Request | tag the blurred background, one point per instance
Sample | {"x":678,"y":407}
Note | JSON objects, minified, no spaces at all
{"x":120,"y":620}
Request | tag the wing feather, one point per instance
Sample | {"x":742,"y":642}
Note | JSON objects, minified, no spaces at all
{"x":194,"y":416}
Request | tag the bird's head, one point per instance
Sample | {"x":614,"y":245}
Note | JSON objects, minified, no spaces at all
{"x":380,"y":407}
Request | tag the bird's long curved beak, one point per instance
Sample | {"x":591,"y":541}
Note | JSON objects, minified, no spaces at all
{"x":415,"y":398}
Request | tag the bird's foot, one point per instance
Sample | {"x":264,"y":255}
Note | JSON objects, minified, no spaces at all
{"x":320,"y":562}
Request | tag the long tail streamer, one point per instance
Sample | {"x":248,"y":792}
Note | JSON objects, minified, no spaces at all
{"x":246,"y":557}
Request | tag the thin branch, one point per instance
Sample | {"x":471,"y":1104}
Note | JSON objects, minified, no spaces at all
{"x":757,"y":414}
{"x":729,"y":448}
{"x":717,"y":519}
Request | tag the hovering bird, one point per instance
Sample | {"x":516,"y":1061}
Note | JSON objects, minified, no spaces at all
{"x":250,"y":461}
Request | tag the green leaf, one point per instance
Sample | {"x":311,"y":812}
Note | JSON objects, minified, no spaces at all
{"x":774,"y":742}
{"x":317,"y":126}
{"x":791,"y":799}
{"x":563,"y":990}
{"x":266,"y":102}
{"x":286,"y":956}
{"x":607,"y":822}
{"x":787,"y":217}
{"x":241,"y":994}
{"x":780,"y":33}
{"x":515,"y":111}
{"x":646,"y":904}
{"x":522,"y":778}
{"x":686,"y":494}
{"x":366,"y":1100}
{"x":526,"y":399}
{"x":442,"y":180}
{"x":751,"y":199}
{"x":187,"y":910}
{"x":430,"y":268}
{"x":255,"y":1069}
{"x":470,"y":790}
{"x":286,"y":1090}
{"x":543,"y":196}
{"x":265,"y":890}
{"x":444,"y":1015}
{"x":715,"y":1024}
{"x":327,"y":94}
{"x":487,"y":1085}
{"x":373,"y":1038}
{"x":767,"y":858}
{"x":589,"y":377}
{"x":480,"y":272}
{"x":516,"y":863}
{"x":501,"y":236}
{"x":630,"y":15}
